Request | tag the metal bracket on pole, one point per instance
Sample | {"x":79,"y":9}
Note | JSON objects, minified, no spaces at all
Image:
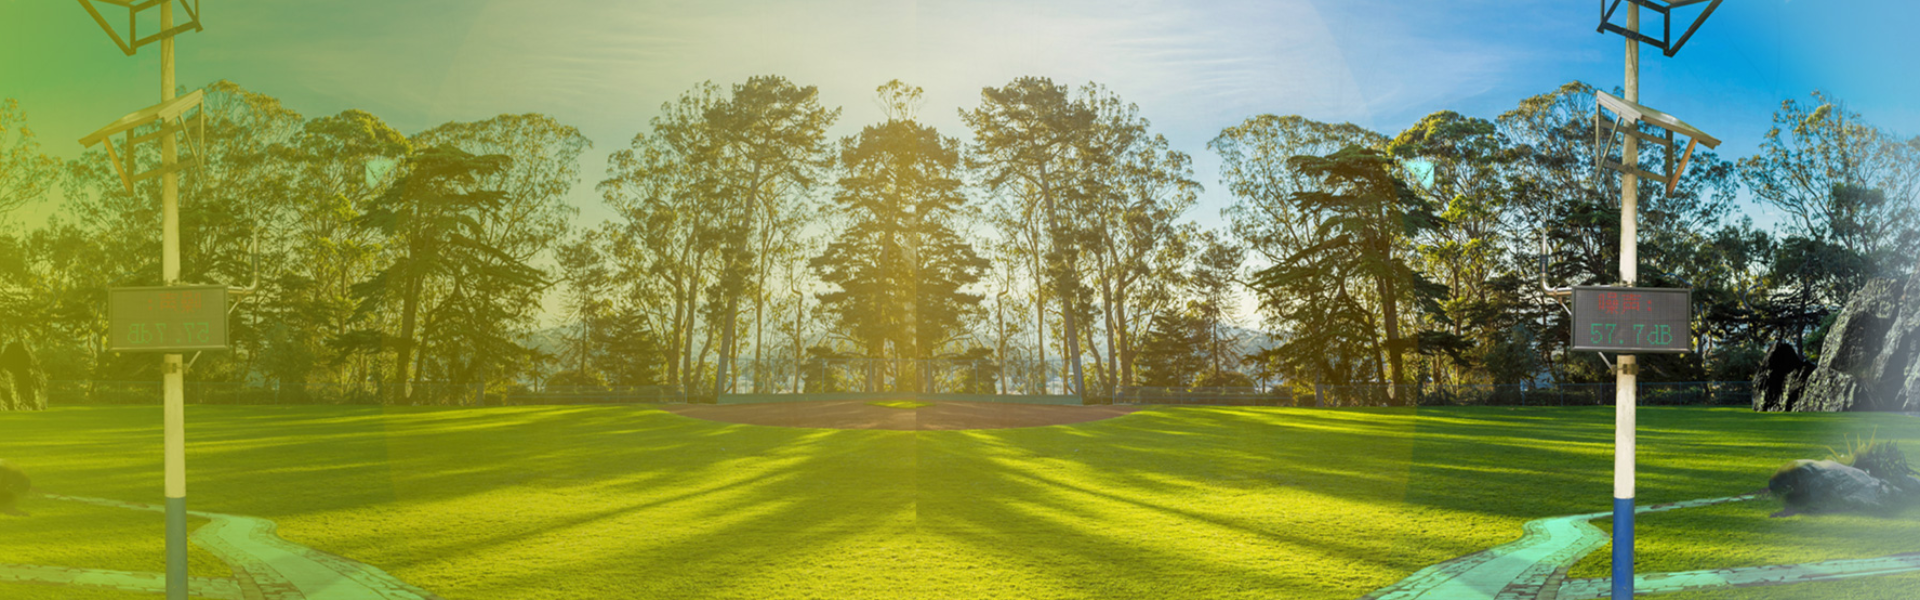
{"x":171,"y":118}
{"x":132,"y":42}
{"x":1628,"y":116}
{"x":1665,"y":42}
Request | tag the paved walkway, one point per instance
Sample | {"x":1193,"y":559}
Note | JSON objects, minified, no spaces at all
{"x":265,"y":567}
{"x":1534,"y":567}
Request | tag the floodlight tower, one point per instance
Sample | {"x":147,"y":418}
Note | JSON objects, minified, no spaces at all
{"x":1630,"y":115}
{"x":170,"y":116}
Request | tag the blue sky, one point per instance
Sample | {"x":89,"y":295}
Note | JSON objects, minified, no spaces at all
{"x":1193,"y":67}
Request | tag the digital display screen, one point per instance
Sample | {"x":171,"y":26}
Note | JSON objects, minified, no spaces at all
{"x":1632,"y":320}
{"x":167,"y":319}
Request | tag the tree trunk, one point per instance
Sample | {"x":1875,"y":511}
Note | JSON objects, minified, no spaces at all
{"x":409,"y":309}
{"x":1111,"y":374}
{"x":420,"y":353}
{"x":706,"y":347}
{"x":759,"y":334}
{"x":1125,"y":356}
{"x":723,"y":366}
{"x":1067,"y":322}
{"x":675,"y":333}
{"x":1039,"y":310}
{"x":1391,"y":309}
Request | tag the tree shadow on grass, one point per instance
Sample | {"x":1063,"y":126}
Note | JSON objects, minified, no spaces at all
{"x":632,"y":502}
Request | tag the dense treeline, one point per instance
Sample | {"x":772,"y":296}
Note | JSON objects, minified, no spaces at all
{"x":1048,"y":248}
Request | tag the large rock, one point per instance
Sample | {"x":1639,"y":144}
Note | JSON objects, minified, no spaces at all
{"x":1781,"y":378}
{"x":1869,"y":361}
{"x":23,"y":385}
{"x":1817,"y":486}
{"x":1896,"y":370}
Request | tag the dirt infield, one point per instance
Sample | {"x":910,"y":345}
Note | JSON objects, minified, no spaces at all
{"x":858,"y":414}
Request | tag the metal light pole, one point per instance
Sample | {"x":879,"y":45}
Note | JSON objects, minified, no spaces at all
{"x":1630,"y":116}
{"x":1625,"y":384}
{"x":169,"y":111}
{"x":175,"y":412}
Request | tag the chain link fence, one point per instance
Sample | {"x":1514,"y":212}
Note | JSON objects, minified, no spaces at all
{"x":956,"y":379}
{"x":1223,"y":396}
{"x":1682,"y":393}
{"x":426,"y":393}
{"x":1686,"y":393}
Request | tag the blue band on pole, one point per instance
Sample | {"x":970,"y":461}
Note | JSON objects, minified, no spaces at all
{"x":176,"y":549}
{"x":1622,"y":548}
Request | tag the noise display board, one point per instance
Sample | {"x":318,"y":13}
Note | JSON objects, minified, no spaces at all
{"x":1632,"y":320}
{"x":167,"y":319}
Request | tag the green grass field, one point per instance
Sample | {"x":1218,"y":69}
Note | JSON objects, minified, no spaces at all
{"x":901,"y":404}
{"x":1189,"y":502}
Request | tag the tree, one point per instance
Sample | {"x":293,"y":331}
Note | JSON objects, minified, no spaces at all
{"x":1175,"y":349}
{"x":667,"y":240}
{"x":1462,"y":160}
{"x":1841,"y":180}
{"x":764,"y":148}
{"x":343,"y":164}
{"x":898,"y":263}
{"x":586,"y":282}
{"x":433,"y":222}
{"x":1370,"y":216}
{"x":542,"y":165}
{"x":238,"y":204}
{"x":25,"y":174}
{"x":1265,"y":219}
{"x":1573,"y":212}
{"x":1215,"y":276}
{"x":1034,"y":143}
{"x":1129,"y":218}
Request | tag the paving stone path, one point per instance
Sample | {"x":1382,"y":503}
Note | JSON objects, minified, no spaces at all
{"x":1535,"y":566}
{"x":265,"y":567}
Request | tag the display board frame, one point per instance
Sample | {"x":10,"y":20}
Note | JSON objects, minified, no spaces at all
{"x":131,"y":315}
{"x":1592,"y":320}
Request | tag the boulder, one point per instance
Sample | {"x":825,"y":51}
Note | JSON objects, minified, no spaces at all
{"x":1778,"y":382}
{"x":1860,"y":329}
{"x":8,"y":396}
{"x":23,"y":384}
{"x":1870,"y":359}
{"x":1818,"y":486}
{"x":1829,"y":390}
{"x":1897,"y":369}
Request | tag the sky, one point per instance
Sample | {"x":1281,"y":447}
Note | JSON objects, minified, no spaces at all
{"x":1194,"y":67}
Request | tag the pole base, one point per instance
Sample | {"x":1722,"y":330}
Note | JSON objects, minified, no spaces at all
{"x":176,"y":549}
{"x":1622,"y":548}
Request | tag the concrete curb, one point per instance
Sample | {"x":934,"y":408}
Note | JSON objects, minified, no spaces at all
{"x":1534,"y":567}
{"x":265,"y":566}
